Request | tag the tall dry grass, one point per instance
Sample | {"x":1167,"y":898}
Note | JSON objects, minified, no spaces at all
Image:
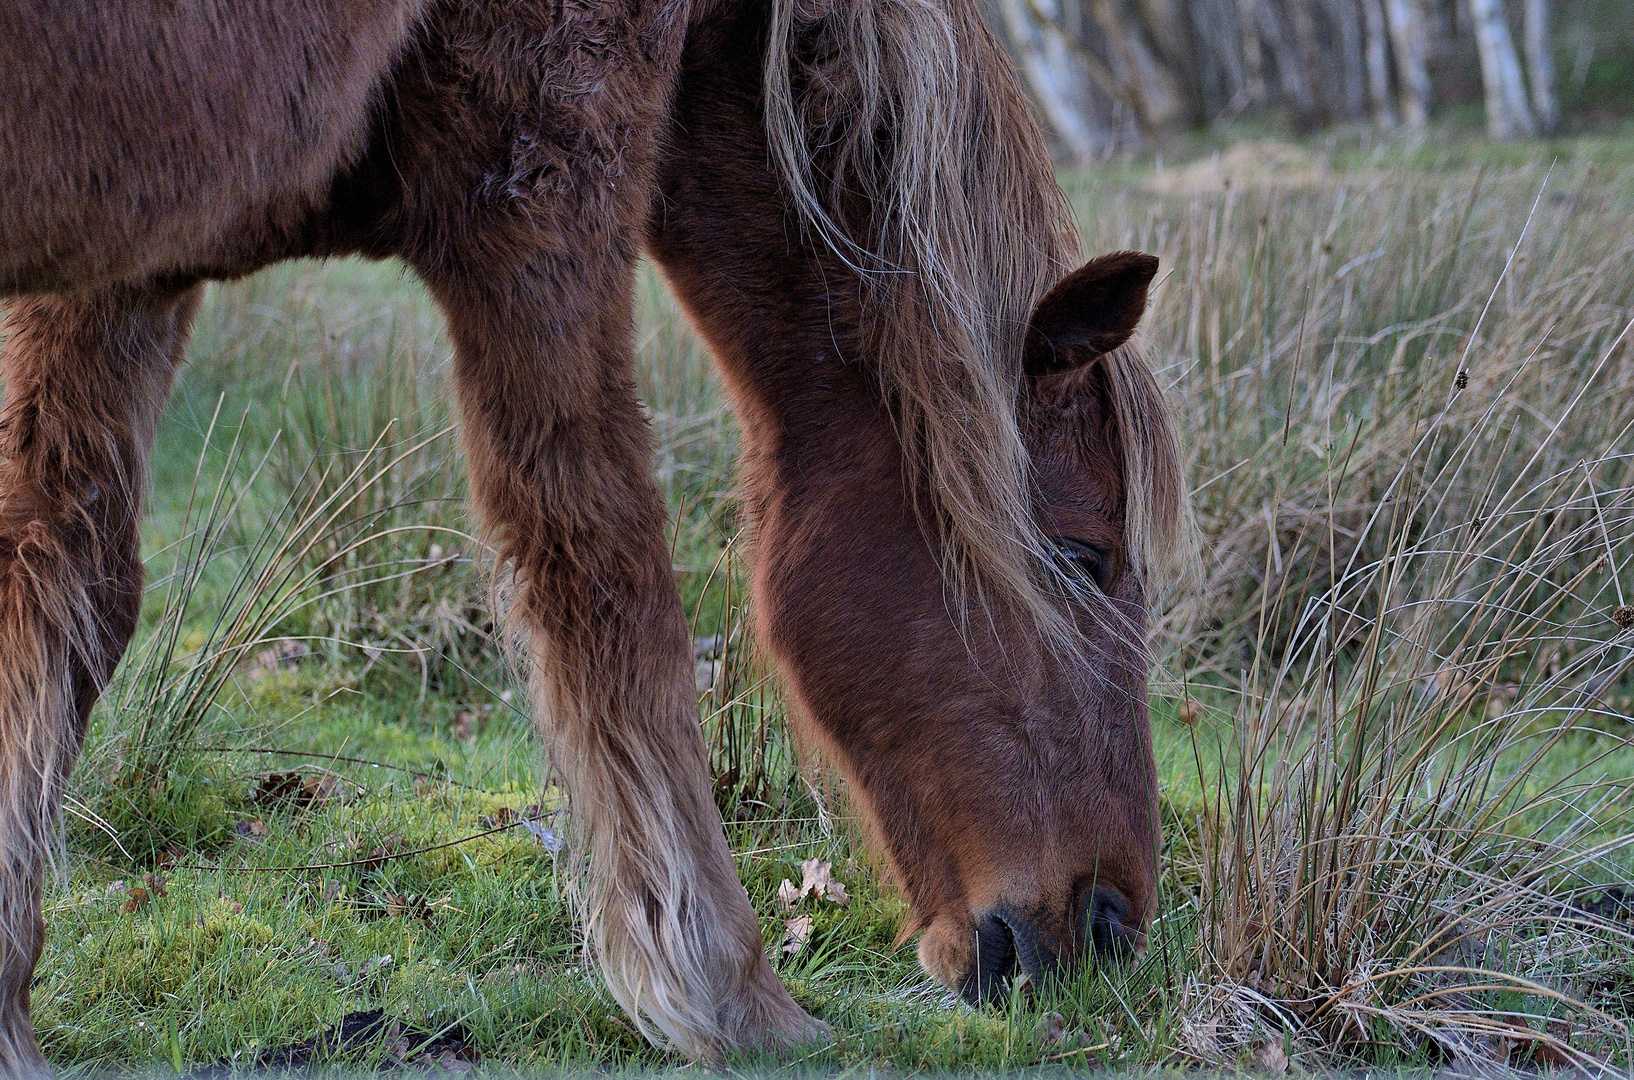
{"x":252,"y":571}
{"x":1408,"y":399}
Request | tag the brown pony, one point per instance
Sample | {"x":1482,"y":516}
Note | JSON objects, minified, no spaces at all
{"x":957,"y":478}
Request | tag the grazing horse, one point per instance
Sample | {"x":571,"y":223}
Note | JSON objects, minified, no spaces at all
{"x":957,"y":478}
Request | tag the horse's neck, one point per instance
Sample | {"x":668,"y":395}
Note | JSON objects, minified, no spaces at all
{"x":778,"y":316}
{"x":814,"y":421}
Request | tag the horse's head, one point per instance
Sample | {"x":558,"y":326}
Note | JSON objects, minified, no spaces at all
{"x":966,"y":646}
{"x":1009,"y":781}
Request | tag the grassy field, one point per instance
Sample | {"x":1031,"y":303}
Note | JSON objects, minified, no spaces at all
{"x":1392,"y":709}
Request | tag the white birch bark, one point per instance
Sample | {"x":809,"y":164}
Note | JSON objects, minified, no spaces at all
{"x":1143,"y":81}
{"x":1051,"y":67}
{"x":1508,"y":115}
{"x":1378,"y":64}
{"x":1407,"y":38}
{"x":1253,"y":63}
{"x":1349,"y":63}
{"x":1540,"y":65}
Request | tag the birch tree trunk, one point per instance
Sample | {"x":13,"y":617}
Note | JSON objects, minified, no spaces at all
{"x":1540,"y":65}
{"x":1508,"y":115}
{"x":1221,"y":73}
{"x":1280,"y":42}
{"x":1349,"y":61}
{"x":1055,"y":74}
{"x":1167,"y":24}
{"x":1248,"y":25}
{"x":1407,"y":37}
{"x":1308,"y":47}
{"x":1378,"y":64}
{"x":1142,"y":79}
{"x":1109,"y":72}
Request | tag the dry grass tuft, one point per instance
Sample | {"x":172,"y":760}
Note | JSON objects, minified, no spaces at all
{"x":1409,"y":403}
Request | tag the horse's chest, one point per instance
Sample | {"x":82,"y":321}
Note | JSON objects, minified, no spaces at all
{"x":548,"y":98}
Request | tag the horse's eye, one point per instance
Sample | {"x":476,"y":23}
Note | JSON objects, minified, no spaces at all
{"x":1082,"y":560}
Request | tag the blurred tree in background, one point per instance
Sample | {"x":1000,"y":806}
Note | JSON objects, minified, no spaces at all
{"x":1114,"y":72}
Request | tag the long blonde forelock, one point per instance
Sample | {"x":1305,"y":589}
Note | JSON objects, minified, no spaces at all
{"x":910,"y":110}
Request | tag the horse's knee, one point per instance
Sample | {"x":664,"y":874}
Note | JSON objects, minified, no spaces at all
{"x":85,"y":380}
{"x":70,"y":573}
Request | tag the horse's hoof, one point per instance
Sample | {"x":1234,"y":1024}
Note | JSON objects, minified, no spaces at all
{"x":771,"y":1023}
{"x":804,"y":1031}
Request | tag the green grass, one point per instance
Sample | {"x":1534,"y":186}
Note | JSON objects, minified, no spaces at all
{"x":1366,"y":666}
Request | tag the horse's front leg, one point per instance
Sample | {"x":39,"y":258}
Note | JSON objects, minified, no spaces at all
{"x":85,"y":379}
{"x":560,"y":462}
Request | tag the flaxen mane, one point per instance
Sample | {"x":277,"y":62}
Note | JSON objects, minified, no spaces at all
{"x":903,"y":138}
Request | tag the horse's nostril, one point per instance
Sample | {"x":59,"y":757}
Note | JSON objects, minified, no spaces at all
{"x":1111,"y":927}
{"x":1009,"y":943}
{"x":995,"y":960}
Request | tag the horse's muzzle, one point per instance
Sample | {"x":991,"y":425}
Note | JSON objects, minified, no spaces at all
{"x":1008,"y":944}
{"x":1108,"y":922}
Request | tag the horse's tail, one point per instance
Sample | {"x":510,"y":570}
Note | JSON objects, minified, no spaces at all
{"x":908,"y":148}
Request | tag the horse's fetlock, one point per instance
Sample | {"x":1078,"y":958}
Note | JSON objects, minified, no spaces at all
{"x":23,"y":850}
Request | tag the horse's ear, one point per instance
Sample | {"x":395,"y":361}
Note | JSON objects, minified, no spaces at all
{"x":1089,"y":313}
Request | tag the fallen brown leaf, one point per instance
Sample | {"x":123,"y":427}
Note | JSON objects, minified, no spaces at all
{"x":817,"y":880}
{"x":1268,"y":1057}
{"x":136,"y":898}
{"x":532,"y":817}
{"x":278,"y":787}
{"x":1547,"y":1053}
{"x":1520,"y":1045}
{"x":380,"y":852}
{"x":450,"y":1062}
{"x":298,"y":789}
{"x":787,"y":894}
{"x":408,"y":906}
{"x":317,"y":790}
{"x":795,"y":933}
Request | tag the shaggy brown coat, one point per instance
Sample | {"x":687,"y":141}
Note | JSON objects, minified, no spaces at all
{"x":861,"y":232}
